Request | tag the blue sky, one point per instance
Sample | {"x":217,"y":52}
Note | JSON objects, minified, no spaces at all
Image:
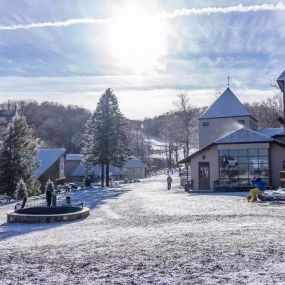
{"x":146,"y":57}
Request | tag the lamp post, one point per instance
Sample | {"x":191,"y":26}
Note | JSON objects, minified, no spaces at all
{"x":281,"y":84}
{"x":187,"y":166}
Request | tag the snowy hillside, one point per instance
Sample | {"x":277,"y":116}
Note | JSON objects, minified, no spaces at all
{"x":158,"y":148}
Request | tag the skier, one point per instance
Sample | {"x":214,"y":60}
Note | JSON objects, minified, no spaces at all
{"x":259,"y":188}
{"x":169,"y":181}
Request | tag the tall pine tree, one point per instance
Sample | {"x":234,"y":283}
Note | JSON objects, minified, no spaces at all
{"x":105,"y":138}
{"x":18,"y":157}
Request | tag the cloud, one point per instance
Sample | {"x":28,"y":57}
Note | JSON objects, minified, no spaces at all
{"x":169,"y":15}
{"x":135,"y":101}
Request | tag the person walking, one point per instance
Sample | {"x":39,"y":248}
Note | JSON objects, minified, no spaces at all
{"x":169,"y":181}
{"x":68,"y":196}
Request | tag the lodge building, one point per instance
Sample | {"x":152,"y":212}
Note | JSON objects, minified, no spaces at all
{"x":232,"y":150}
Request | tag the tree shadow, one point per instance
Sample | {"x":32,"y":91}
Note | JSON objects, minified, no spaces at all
{"x":230,"y":194}
{"x":91,"y":197}
{"x":274,"y":203}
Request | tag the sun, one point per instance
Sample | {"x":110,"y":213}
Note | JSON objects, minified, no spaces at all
{"x":137,"y":39}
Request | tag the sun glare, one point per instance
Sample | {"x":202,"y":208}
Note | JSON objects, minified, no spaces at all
{"x":137,"y":39}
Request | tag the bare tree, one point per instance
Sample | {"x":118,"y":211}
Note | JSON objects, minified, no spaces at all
{"x":136,"y":138}
{"x":268,"y":112}
{"x":187,"y":122}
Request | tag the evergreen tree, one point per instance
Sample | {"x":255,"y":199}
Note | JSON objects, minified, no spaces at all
{"x":18,"y":156}
{"x":105,"y":138}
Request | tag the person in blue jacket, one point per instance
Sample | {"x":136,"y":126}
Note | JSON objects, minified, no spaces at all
{"x":259,"y":185}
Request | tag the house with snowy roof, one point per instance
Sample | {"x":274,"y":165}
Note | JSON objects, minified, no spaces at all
{"x":72,"y":161}
{"x":94,"y":172}
{"x":76,"y":169}
{"x":51,"y":165}
{"x":135,"y":168}
{"x":232,"y":150}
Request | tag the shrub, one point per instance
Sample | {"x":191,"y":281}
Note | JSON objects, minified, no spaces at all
{"x":21,"y":190}
{"x":34,"y":187}
{"x":49,"y":186}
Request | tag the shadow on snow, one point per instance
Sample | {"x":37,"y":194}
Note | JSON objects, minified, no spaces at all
{"x":231,"y":194}
{"x":90,"y":197}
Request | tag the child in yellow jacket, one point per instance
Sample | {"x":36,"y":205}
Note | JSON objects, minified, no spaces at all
{"x":259,"y":188}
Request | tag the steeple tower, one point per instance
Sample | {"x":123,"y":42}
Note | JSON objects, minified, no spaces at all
{"x":225,"y":115}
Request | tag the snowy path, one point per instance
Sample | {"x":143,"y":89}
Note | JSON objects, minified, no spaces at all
{"x":146,"y":235}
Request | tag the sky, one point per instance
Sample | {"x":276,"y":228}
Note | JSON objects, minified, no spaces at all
{"x":147,"y":51}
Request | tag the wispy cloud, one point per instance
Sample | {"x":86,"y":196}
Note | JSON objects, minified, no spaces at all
{"x":168,"y":15}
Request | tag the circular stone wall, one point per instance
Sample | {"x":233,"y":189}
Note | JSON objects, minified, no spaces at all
{"x":47,"y":215}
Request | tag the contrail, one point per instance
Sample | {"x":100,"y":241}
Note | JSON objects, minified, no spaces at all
{"x":224,"y":10}
{"x":57,"y":24}
{"x":168,"y":15}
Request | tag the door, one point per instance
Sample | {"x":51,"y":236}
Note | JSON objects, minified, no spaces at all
{"x":204,"y":175}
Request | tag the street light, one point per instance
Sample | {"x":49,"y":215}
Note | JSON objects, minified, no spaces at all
{"x":281,"y":84}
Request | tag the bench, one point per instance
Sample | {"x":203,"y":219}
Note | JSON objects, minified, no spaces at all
{"x":6,"y":198}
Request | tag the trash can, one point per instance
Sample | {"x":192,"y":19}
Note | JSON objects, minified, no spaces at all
{"x":187,"y":186}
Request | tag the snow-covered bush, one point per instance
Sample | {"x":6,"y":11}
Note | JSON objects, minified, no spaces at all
{"x":21,"y":190}
{"x":49,"y":186}
{"x":34,"y":187}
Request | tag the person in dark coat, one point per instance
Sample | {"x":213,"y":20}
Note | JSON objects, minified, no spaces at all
{"x":169,"y":181}
{"x":48,"y":197}
{"x":49,"y":192}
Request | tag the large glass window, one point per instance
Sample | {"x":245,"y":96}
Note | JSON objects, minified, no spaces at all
{"x":239,"y":166}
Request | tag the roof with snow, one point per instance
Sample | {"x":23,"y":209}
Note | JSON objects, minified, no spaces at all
{"x":134,"y":162}
{"x":244,"y":135}
{"x":227,"y":105}
{"x":81,"y":170}
{"x":74,"y":156}
{"x":271,"y":132}
{"x":47,"y":157}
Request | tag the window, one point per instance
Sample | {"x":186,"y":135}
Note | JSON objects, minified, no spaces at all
{"x":239,"y":166}
{"x":206,"y":124}
{"x":241,"y":122}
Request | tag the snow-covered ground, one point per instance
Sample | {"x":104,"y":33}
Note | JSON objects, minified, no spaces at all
{"x":144,"y":234}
